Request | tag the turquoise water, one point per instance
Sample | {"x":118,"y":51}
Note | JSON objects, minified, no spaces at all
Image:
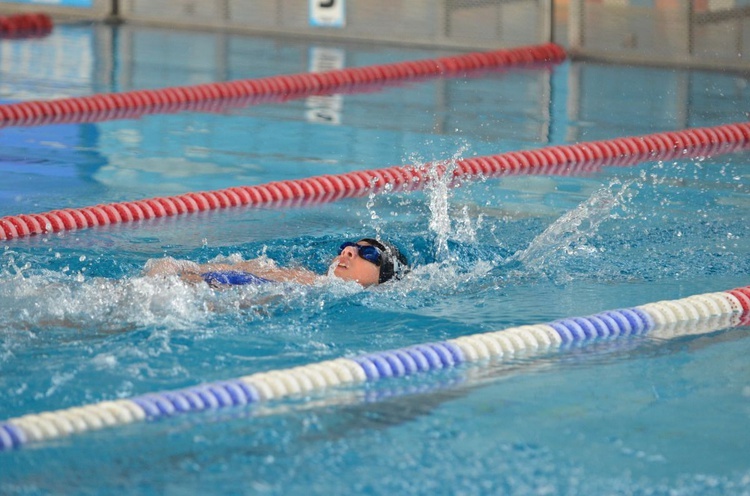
{"x":80,"y":324}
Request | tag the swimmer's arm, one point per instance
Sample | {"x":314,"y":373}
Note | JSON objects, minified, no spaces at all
{"x":192,"y":272}
{"x":269,"y":270}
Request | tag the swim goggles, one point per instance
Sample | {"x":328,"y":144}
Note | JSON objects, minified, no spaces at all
{"x":372,"y":254}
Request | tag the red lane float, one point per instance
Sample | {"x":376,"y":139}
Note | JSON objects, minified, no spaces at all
{"x":213,"y":97}
{"x":25,"y":25}
{"x":580,"y":158}
{"x":743,"y":295}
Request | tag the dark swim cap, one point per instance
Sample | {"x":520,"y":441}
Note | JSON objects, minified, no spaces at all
{"x":394,"y":262}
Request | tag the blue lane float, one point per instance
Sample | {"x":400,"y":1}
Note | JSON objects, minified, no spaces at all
{"x":698,"y":314}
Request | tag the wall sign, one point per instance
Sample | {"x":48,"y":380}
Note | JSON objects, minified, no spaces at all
{"x":327,"y":13}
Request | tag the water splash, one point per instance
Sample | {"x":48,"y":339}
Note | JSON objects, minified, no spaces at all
{"x":570,"y":234}
{"x":54,"y":299}
{"x":376,"y":221}
{"x":33,"y":298}
{"x":445,"y":223}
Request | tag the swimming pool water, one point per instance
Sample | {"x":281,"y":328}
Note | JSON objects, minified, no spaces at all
{"x":80,"y":324}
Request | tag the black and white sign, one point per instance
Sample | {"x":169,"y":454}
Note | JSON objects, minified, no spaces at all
{"x":327,"y":13}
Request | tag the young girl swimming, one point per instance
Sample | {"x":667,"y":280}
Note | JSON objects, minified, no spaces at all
{"x":368,"y":262}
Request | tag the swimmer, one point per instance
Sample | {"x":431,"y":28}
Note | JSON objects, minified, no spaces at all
{"x":367,"y":262}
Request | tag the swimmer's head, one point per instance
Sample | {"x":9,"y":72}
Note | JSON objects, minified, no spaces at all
{"x":370,"y":261}
{"x":394,"y":264}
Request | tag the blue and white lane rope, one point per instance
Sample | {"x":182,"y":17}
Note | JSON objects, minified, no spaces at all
{"x":665,"y":319}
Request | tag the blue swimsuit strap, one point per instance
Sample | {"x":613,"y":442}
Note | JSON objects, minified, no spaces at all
{"x":233,"y":278}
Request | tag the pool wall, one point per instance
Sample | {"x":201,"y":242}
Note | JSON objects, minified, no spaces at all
{"x":693,"y":33}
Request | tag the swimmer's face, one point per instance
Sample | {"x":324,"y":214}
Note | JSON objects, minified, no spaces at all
{"x":350,"y":266}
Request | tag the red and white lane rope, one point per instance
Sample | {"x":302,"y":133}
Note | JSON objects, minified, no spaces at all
{"x":221,"y":95}
{"x":558,"y":160}
{"x":33,"y":25}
